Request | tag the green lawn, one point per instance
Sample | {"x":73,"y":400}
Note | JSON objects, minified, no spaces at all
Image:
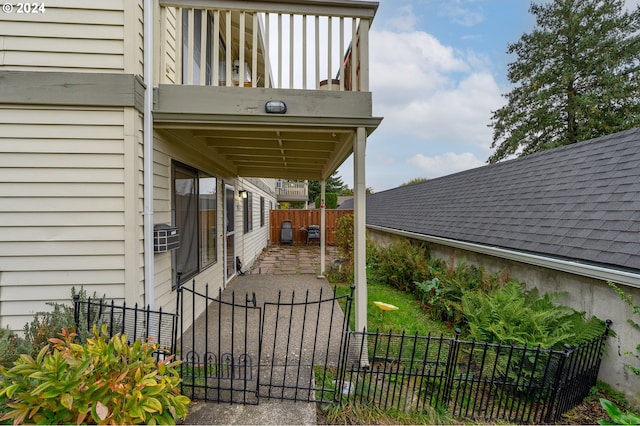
{"x":409,"y":317}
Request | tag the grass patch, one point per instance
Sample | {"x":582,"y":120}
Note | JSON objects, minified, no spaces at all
{"x":352,"y":410}
{"x":409,"y":317}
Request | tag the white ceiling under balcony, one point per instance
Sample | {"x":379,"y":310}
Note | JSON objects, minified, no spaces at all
{"x":229,"y":127}
{"x":256,"y":150}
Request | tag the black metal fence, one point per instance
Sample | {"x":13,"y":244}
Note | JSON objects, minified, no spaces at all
{"x":301,"y":349}
{"x":476,"y":380}
{"x":240,"y":350}
{"x":218,"y":350}
{"x":136,"y":322}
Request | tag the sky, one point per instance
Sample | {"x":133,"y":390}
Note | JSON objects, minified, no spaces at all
{"x":438,"y":68}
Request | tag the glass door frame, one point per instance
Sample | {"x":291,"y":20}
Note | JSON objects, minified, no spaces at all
{"x":230,"y":232}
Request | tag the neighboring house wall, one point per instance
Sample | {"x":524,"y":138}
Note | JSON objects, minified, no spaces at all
{"x":594,"y":297}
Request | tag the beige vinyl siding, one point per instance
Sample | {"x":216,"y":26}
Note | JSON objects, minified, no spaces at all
{"x":162,"y":214}
{"x":64,"y":214}
{"x":134,"y":35}
{"x":168,"y":33}
{"x":71,"y":35}
{"x":165,"y":152}
{"x":250,"y":244}
{"x":134,"y":206}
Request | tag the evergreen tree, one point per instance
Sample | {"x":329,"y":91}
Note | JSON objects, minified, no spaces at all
{"x":576,"y":77}
{"x":334,"y":184}
{"x":414,"y":181}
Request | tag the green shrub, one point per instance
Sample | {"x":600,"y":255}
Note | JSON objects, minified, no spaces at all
{"x":438,"y":300}
{"x":11,"y":346}
{"x":48,"y":324}
{"x":402,"y":264}
{"x":102,"y":381}
{"x":342,"y":272}
{"x":616,"y":415}
{"x":331,"y":200}
{"x":511,"y":315}
{"x":343,"y":236}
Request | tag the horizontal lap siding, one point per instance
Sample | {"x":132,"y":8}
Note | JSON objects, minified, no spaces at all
{"x":162,"y":214}
{"x":69,"y":36}
{"x":168,"y":61}
{"x":164,"y":153}
{"x":62,"y":207}
{"x":252,"y":243}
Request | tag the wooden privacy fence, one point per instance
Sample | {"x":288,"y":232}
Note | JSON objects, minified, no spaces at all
{"x":302,"y":219}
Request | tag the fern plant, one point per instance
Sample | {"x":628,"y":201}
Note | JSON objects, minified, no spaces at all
{"x":512,"y":315}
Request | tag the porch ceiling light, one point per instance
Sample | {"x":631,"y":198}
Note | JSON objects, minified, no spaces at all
{"x":275,"y":107}
{"x":243,"y":193}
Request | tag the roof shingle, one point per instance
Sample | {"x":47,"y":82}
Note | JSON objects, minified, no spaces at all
{"x":580,"y":202}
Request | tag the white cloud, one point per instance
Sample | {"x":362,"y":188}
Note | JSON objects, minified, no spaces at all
{"x":404,"y":20}
{"x":406,"y":63}
{"x":429,"y":91}
{"x":462,"y":15}
{"x":444,"y":164}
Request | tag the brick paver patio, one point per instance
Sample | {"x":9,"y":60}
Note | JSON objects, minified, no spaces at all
{"x":287,"y":260}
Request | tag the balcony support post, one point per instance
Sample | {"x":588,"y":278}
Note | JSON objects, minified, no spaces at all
{"x":323,"y":224}
{"x":359,"y":231}
{"x":359,"y":228}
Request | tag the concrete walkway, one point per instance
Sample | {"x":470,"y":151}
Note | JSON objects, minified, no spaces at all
{"x":285,"y":269}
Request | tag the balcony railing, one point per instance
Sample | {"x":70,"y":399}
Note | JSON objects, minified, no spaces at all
{"x":292,"y":188}
{"x":312,"y":45}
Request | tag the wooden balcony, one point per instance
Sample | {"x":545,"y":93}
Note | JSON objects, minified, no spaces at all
{"x":308,"y":45}
{"x":289,"y":190}
{"x":220,"y":62}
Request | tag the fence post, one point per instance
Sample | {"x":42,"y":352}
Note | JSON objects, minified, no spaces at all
{"x":450,"y":369}
{"x":76,"y":311}
{"x":176,"y":322}
{"x":557,"y":383}
{"x":345,"y":341}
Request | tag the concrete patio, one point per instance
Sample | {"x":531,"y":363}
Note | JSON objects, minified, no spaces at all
{"x":280,"y":268}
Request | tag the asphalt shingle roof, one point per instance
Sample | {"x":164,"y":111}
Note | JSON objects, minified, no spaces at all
{"x":578,"y":202}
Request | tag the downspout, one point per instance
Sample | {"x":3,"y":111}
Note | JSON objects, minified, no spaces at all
{"x":149,"y":267}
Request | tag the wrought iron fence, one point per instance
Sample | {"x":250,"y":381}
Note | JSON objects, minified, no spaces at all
{"x":240,"y":350}
{"x":136,"y":322}
{"x":218,"y":350}
{"x":233,"y":354}
{"x":476,"y":380}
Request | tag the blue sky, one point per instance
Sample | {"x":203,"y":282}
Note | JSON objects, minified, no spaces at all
{"x":437,"y":71}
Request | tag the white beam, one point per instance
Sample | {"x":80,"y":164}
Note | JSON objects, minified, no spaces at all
{"x":359,"y":231}
{"x":323,"y":187}
{"x":359,"y":228}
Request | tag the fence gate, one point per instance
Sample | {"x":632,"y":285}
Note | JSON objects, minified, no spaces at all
{"x":238,"y":350}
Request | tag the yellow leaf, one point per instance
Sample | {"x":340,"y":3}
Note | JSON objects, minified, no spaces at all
{"x":67,"y":401}
{"x":385,"y":306}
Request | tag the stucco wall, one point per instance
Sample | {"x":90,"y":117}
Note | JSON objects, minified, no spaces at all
{"x":582,"y":293}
